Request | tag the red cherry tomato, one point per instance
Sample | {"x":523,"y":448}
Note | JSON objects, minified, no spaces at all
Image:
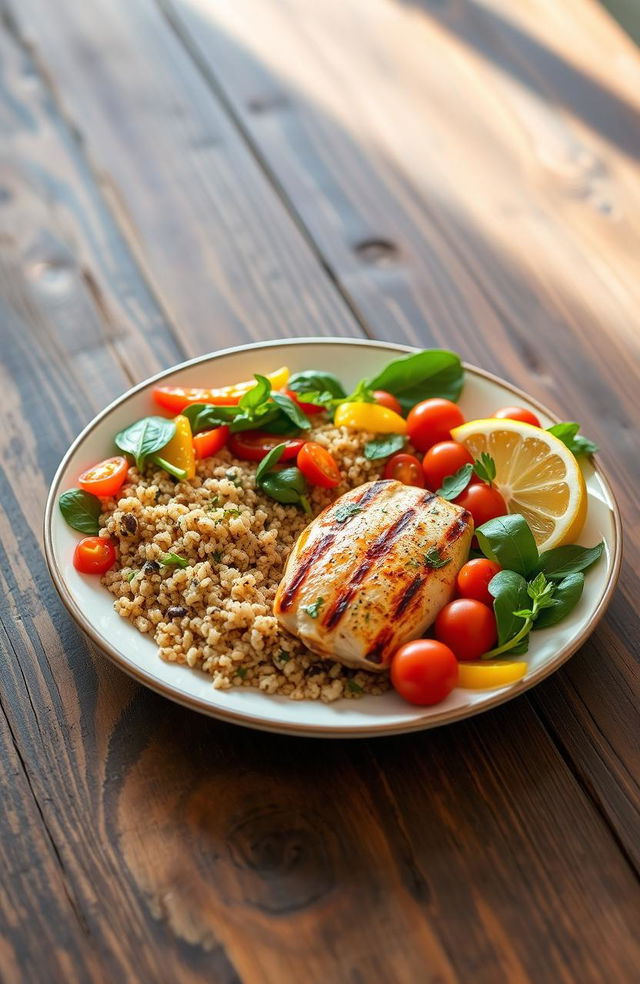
{"x":473,"y":579}
{"x":308,"y":408}
{"x":176,"y":398}
{"x":94,"y":555}
{"x":483,"y":502}
{"x":208,"y":443}
{"x":387,"y":400}
{"x":517,"y":413}
{"x":405,"y":468}
{"x":443,"y":459}
{"x":468,"y":627}
{"x":424,"y":671}
{"x":255,"y":445}
{"x":318,"y":466}
{"x":105,"y":478}
{"x":431,"y":421}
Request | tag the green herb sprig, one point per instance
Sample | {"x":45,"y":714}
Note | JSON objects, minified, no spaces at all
{"x":287,"y":485}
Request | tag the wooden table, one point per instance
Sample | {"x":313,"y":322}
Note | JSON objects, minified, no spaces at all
{"x":182,"y":175}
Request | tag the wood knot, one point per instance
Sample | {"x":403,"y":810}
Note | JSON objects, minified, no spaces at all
{"x":282,"y":859}
{"x":377,"y":252}
{"x":267,"y":103}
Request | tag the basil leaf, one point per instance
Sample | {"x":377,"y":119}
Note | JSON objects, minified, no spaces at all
{"x":383,"y":446}
{"x":204,"y":416}
{"x":345,"y":512}
{"x":269,"y":460}
{"x":432,"y":372}
{"x":292,"y":410}
{"x":311,"y":380}
{"x":81,"y":511}
{"x":144,"y":437}
{"x":563,"y":561}
{"x":454,"y":484}
{"x":256,"y":396}
{"x":509,"y":541}
{"x":433,"y":558}
{"x":173,"y":560}
{"x":509,"y":591}
{"x":260,"y":419}
{"x":566,"y":596}
{"x":485,"y":467}
{"x":567,"y":432}
{"x":287,"y":486}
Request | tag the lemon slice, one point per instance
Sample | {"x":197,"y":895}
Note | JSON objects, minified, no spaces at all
{"x":536,"y":475}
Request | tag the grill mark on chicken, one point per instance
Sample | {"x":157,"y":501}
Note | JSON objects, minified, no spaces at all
{"x":372,"y":492}
{"x":457,"y":528}
{"x":407,"y":595}
{"x":304,"y":567}
{"x":380,"y":546}
{"x":374,"y":655}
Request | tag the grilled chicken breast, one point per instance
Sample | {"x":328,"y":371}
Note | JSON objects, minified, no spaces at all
{"x":358,"y":582}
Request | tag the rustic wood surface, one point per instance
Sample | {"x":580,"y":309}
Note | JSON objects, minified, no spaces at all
{"x":181,"y":175}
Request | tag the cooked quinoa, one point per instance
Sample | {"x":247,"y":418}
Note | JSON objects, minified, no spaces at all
{"x":216,"y":613}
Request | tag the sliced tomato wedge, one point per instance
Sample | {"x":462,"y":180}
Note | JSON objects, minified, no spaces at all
{"x":208,"y":443}
{"x":176,"y":398}
{"x":308,"y":408}
{"x":255,"y":445}
{"x":318,"y":466}
{"x":94,"y":555}
{"x":105,"y":478}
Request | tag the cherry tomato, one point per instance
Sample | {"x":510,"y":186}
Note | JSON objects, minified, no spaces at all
{"x":431,"y":421}
{"x":318,"y":466}
{"x":424,"y":671}
{"x":208,"y":443}
{"x":308,"y":408}
{"x":483,"y":502}
{"x":473,"y":579}
{"x":405,"y":468}
{"x":468,"y":627}
{"x":255,"y":445}
{"x":517,"y":413}
{"x":105,"y":478}
{"x":94,"y":555}
{"x":443,"y":459}
{"x":176,"y":398}
{"x":387,"y":400}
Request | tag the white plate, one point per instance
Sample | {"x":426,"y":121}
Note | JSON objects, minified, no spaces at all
{"x":91,"y":605}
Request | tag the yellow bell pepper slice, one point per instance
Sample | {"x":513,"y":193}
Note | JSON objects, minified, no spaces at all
{"x":485,"y":676}
{"x":278,"y":380}
{"x":370,"y":417}
{"x":179,"y":451}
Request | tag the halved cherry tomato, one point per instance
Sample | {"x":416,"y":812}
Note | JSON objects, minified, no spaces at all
{"x":424,"y":671}
{"x":387,"y":400}
{"x":318,"y":466}
{"x":405,"y":468}
{"x":105,"y":478}
{"x":473,"y":579}
{"x":517,"y":413}
{"x":468,"y":627}
{"x":255,"y":445}
{"x":308,"y":408}
{"x":431,"y":421}
{"x":483,"y":502}
{"x":443,"y":459}
{"x":176,"y":398}
{"x":208,"y":443}
{"x":94,"y":555}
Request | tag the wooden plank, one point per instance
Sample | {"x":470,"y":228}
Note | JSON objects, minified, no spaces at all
{"x":224,"y":258}
{"x":470,"y":175}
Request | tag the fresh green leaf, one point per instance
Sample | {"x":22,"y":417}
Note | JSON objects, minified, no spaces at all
{"x":256,"y":396}
{"x":383,"y":446}
{"x":291,"y":410}
{"x":509,"y":592}
{"x":346,"y":511}
{"x":130,"y":576}
{"x":454,"y":484}
{"x":571,"y":559}
{"x":173,"y":560}
{"x":485,"y":468}
{"x":81,"y":511}
{"x":566,"y":596}
{"x":142,"y":438}
{"x":269,"y":460}
{"x":287,"y":486}
{"x":417,"y":377}
{"x":567,"y":432}
{"x":433,"y":558}
{"x":354,"y":687}
{"x":509,"y":542}
{"x":313,"y":610}
{"x":204,"y":416}
{"x":310,"y":380}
